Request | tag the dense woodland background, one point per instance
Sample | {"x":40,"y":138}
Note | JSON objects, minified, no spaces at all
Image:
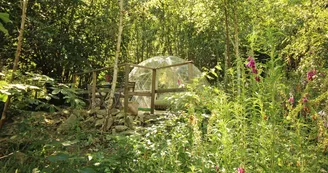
{"x":265,"y":111}
{"x":66,"y":36}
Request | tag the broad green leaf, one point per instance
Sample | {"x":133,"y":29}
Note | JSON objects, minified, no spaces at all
{"x":48,"y":98}
{"x":3,"y":97}
{"x":34,"y":87}
{"x":19,"y":86}
{"x":214,"y":73}
{"x":53,"y":96}
{"x":3,"y":29}
{"x":55,"y":91}
{"x":3,"y":83}
{"x":5,"y":92}
{"x":4,"y":17}
{"x":218,"y":67}
{"x":58,"y":157}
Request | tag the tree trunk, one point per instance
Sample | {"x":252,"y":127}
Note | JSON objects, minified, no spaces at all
{"x":227,"y":47}
{"x":239,"y":63}
{"x":118,"y":46}
{"x":18,"y":51}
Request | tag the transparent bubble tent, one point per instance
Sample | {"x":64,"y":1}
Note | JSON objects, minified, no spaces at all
{"x":166,"y":78}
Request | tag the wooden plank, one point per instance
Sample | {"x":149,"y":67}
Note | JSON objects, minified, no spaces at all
{"x":104,"y":90}
{"x":190,"y":72}
{"x":175,"y":65}
{"x":153,"y":85}
{"x":140,"y":94}
{"x":74,"y":79}
{"x":171,"y":90}
{"x":126,"y":89}
{"x":93,"y":90}
{"x":74,"y":84}
{"x":110,"y":67}
{"x":140,"y":66}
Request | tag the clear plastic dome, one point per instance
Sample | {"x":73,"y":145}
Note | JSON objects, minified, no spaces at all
{"x":172,"y":77}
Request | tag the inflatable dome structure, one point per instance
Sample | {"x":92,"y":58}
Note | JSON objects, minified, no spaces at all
{"x":166,"y":78}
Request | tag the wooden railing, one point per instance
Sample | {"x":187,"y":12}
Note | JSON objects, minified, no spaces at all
{"x":128,"y":93}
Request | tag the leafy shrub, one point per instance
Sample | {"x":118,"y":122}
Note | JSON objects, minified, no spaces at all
{"x":258,"y":129}
{"x":39,"y":92}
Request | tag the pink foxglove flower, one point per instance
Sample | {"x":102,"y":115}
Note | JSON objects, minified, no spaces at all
{"x":305,"y":99}
{"x":251,"y":63}
{"x":291,"y":100}
{"x":241,"y":170}
{"x":310,"y":74}
{"x":254,"y":70}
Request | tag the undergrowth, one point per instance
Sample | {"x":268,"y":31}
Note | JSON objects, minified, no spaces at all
{"x":264,"y":122}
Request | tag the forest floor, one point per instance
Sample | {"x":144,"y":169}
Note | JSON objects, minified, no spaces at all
{"x":41,"y":135}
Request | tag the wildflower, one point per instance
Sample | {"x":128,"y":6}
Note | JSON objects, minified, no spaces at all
{"x":251,"y":62}
{"x":265,"y":117}
{"x":217,"y":168}
{"x":257,"y":79}
{"x":254,"y":70}
{"x":305,"y":99}
{"x":291,"y":100}
{"x":310,"y":74}
{"x":241,"y":170}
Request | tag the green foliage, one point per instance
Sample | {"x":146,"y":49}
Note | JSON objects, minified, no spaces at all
{"x":3,"y":93}
{"x":29,"y":90}
{"x":70,"y":95}
{"x":71,"y":36}
{"x":5,"y":18}
{"x":274,"y":120}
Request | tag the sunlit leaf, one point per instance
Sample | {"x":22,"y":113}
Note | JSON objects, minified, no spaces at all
{"x":55,"y":91}
{"x":34,"y":87}
{"x":6,"y":92}
{"x":58,"y":157}
{"x":69,"y":143}
{"x":19,"y":86}
{"x":4,"y":17}
{"x":48,"y":97}
{"x":3,"y":29}
{"x":3,"y":97}
{"x":89,"y":158}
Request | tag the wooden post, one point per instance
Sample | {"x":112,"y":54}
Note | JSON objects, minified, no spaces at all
{"x":153,"y":87}
{"x":190,"y":72}
{"x":74,"y":81}
{"x":93,"y":91}
{"x":126,"y":89}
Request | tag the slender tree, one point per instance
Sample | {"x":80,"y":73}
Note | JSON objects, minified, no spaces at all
{"x":18,"y":51}
{"x":118,"y":47}
{"x":236,"y":46}
{"x":227,"y":46}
